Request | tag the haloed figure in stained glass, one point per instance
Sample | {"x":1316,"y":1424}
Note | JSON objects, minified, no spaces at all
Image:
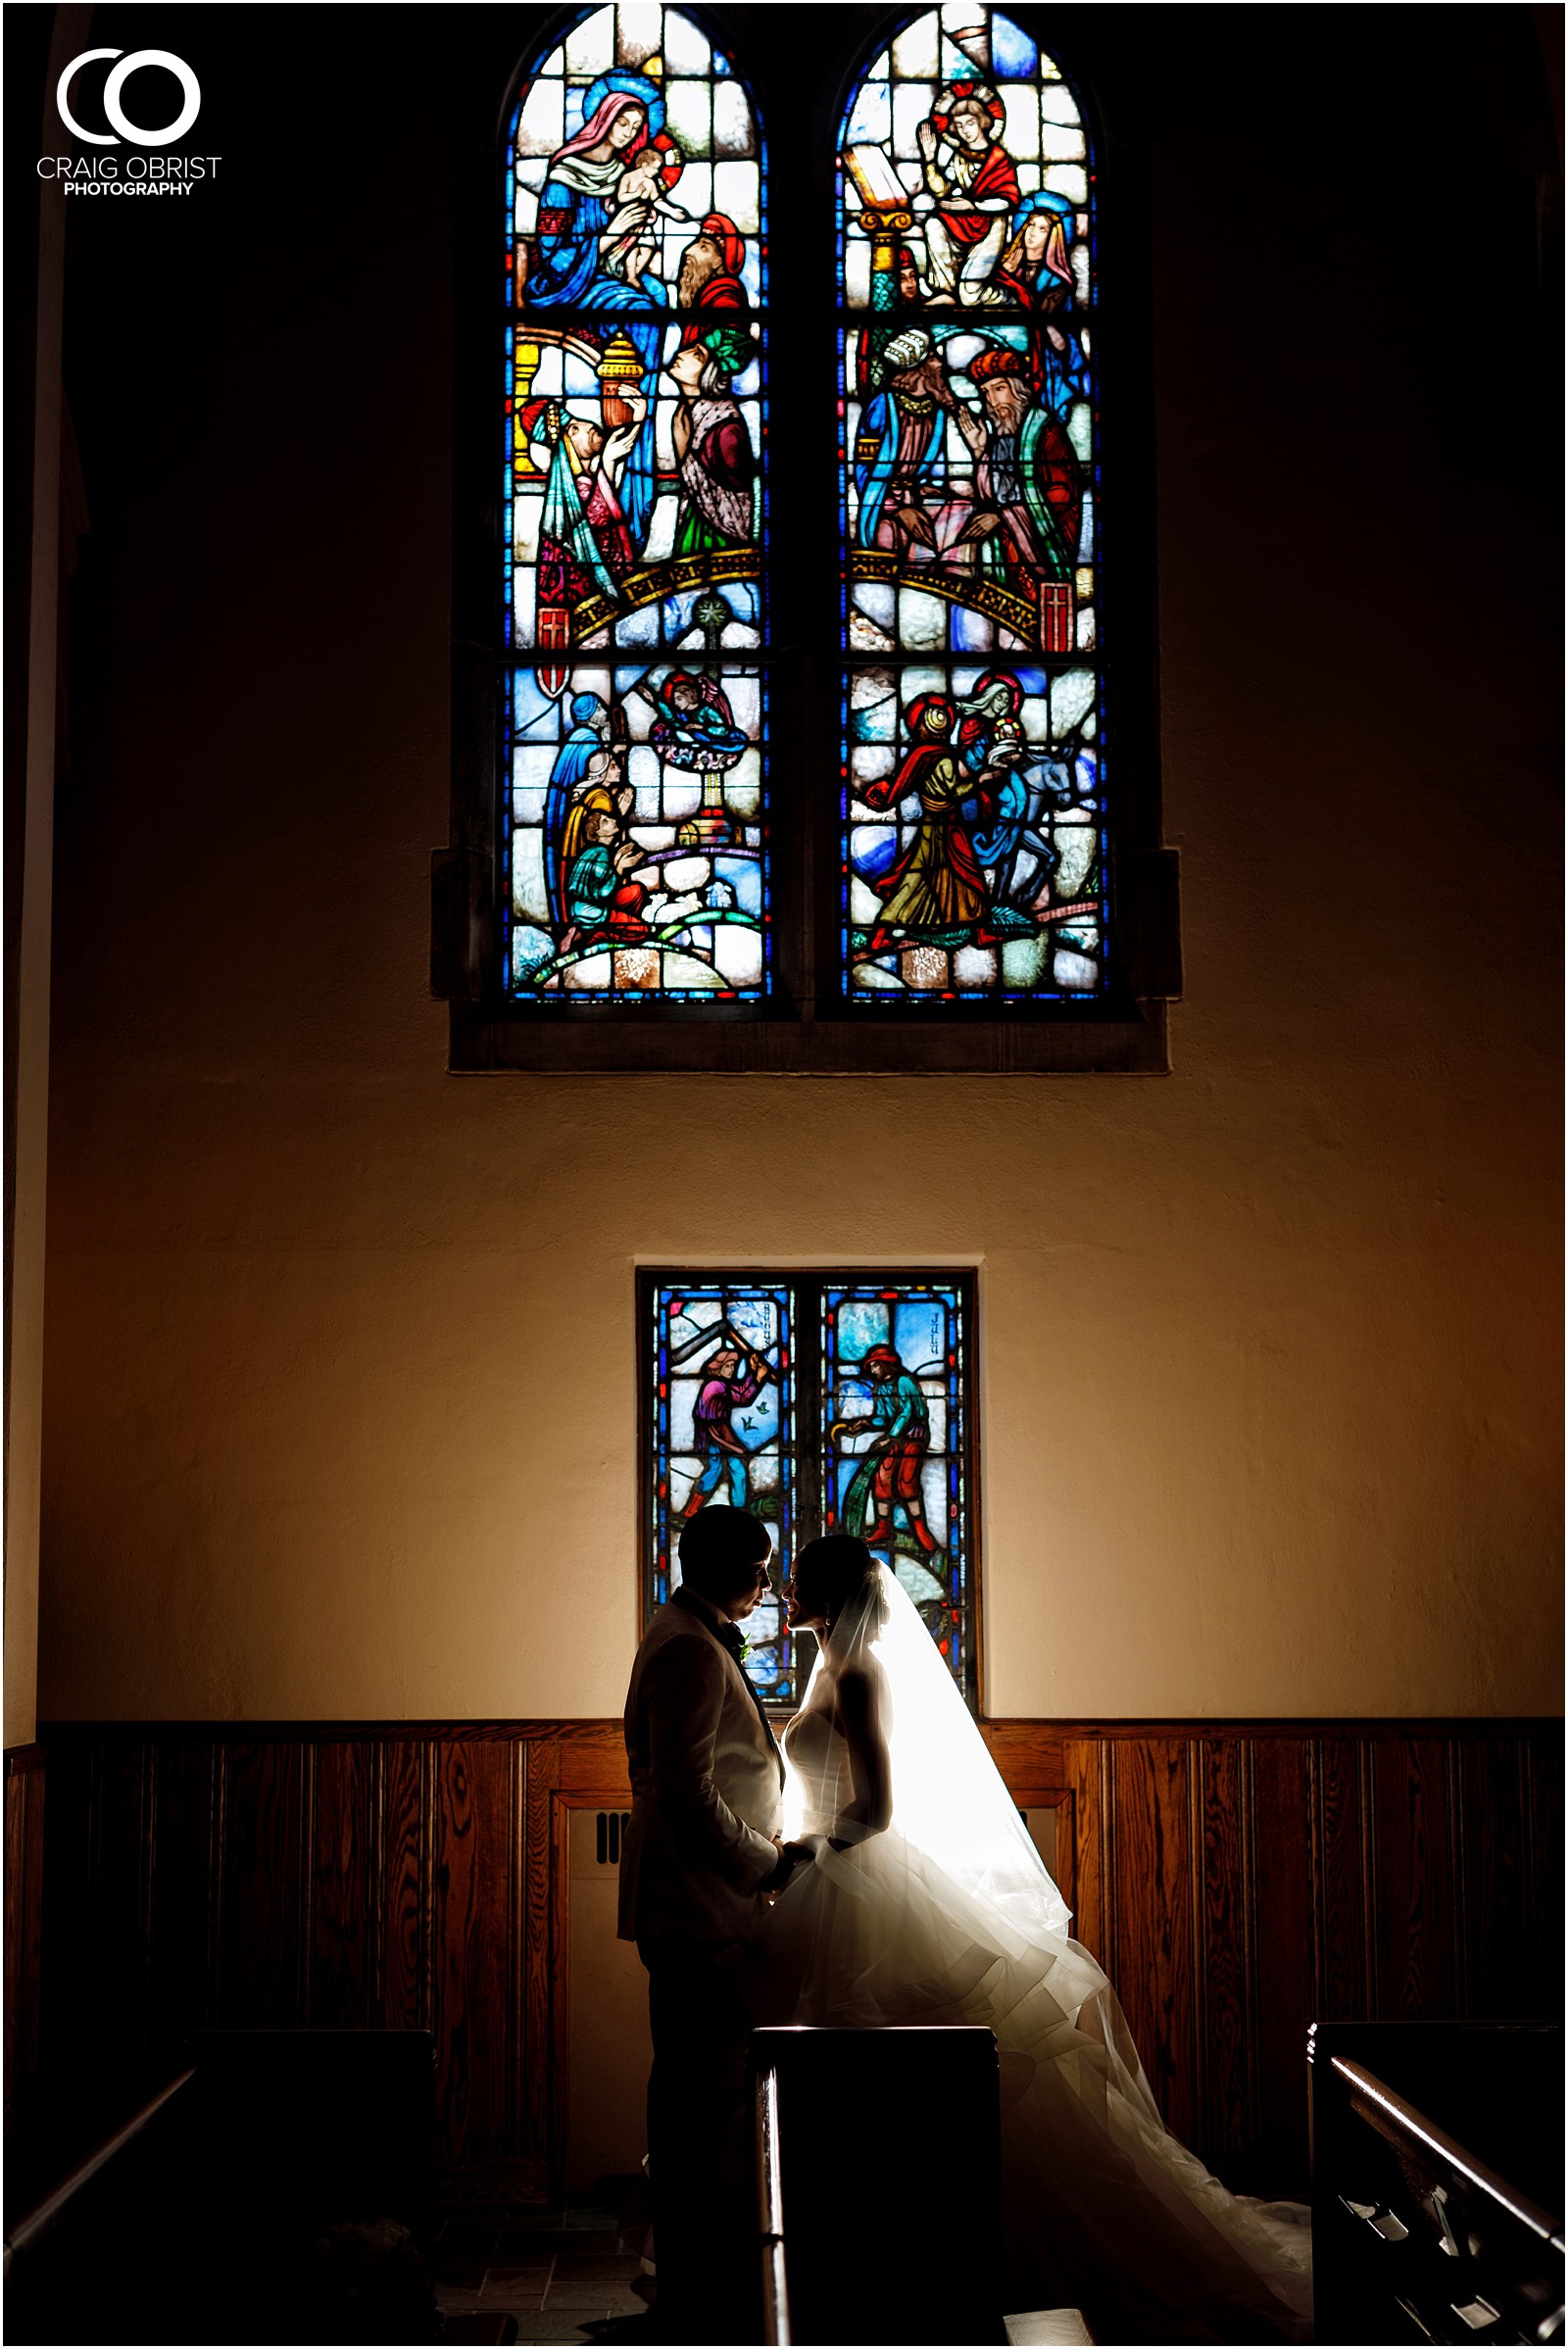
{"x":971,"y":176}
{"x":980,"y":861}
{"x":937,"y":889}
{"x":598,"y":187}
{"x":695,"y":716}
{"x":1012,"y":792}
{"x":601,"y":256}
{"x":591,"y":251}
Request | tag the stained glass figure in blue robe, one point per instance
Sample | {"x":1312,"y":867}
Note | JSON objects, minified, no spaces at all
{"x":1014,"y":789}
{"x":901,"y":446}
{"x":590,"y":729}
{"x":575,"y":263}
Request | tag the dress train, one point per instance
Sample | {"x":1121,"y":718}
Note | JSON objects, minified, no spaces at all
{"x":1104,"y":2207}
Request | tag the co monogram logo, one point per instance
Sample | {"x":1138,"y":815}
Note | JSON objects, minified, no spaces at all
{"x":115,"y":111}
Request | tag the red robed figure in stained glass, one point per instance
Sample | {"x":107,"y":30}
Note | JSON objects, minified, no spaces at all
{"x":936,"y":884}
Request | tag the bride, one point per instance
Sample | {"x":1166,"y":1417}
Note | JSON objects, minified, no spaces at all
{"x":921,"y":1900}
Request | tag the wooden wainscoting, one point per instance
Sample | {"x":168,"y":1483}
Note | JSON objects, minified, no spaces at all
{"x":1237,"y":1880}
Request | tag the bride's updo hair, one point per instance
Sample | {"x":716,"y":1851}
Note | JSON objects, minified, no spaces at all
{"x":837,"y":1567}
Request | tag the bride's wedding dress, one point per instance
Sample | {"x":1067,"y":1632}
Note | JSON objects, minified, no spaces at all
{"x":949,"y":1915}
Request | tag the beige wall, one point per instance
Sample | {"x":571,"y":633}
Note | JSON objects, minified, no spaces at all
{"x":340,"y":1372}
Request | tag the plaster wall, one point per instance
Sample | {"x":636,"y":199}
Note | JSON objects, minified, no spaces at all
{"x":339,"y":1374}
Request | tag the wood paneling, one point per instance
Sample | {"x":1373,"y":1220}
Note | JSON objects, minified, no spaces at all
{"x":345,"y":1884}
{"x":264,"y":1898}
{"x":1345,"y":1975}
{"x":404,"y":1903}
{"x":1238,"y":1880}
{"x":1283,"y":1986}
{"x":474,"y":1966}
{"x":1225,"y":1989}
{"x":1150,"y":1960}
{"x":1414,"y":1915}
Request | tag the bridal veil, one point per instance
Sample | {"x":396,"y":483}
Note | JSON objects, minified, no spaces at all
{"x":950,"y":1916}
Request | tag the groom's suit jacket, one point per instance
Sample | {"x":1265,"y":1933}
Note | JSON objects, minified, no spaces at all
{"x":706,"y":1792}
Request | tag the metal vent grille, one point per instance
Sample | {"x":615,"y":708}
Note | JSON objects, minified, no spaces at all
{"x":608,"y":1827}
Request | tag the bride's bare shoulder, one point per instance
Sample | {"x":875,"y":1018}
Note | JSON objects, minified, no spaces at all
{"x":859,"y":1691}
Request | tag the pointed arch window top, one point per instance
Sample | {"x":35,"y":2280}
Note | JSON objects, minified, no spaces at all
{"x":681,"y":110}
{"x":966,"y":125}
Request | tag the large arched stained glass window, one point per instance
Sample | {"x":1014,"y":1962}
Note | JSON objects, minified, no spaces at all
{"x":634,"y":719}
{"x":972,"y":849}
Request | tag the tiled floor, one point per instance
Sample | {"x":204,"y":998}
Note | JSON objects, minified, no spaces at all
{"x":556,"y":2272}
{"x":561,"y":2275}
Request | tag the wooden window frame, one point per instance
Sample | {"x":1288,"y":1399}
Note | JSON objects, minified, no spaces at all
{"x":808,"y":1027}
{"x":807,"y":1372}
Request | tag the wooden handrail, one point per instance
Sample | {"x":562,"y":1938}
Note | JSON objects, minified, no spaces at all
{"x":28,"y":2230}
{"x":1390,"y":2110}
{"x":770,"y":2212}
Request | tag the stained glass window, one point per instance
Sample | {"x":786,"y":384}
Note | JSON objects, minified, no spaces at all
{"x":895,"y":1462}
{"x":633,"y":722}
{"x":972,"y":850}
{"x":821,"y":1403}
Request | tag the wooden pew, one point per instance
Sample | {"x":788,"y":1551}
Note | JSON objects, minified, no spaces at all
{"x":91,"y":2262}
{"x":862,"y":2137}
{"x":279,"y":2188}
{"x":1437,"y":2183}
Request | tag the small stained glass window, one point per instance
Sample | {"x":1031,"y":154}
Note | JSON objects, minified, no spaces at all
{"x":633,"y":724}
{"x":972,"y":850}
{"x":821,"y":1402}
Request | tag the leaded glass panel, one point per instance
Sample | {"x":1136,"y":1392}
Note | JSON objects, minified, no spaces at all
{"x":895,"y":1458}
{"x":721,"y":1352}
{"x":972,"y":845}
{"x":820,"y":1401}
{"x":634,"y":813}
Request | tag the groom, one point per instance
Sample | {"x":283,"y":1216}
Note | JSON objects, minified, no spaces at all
{"x":702,"y":1849}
